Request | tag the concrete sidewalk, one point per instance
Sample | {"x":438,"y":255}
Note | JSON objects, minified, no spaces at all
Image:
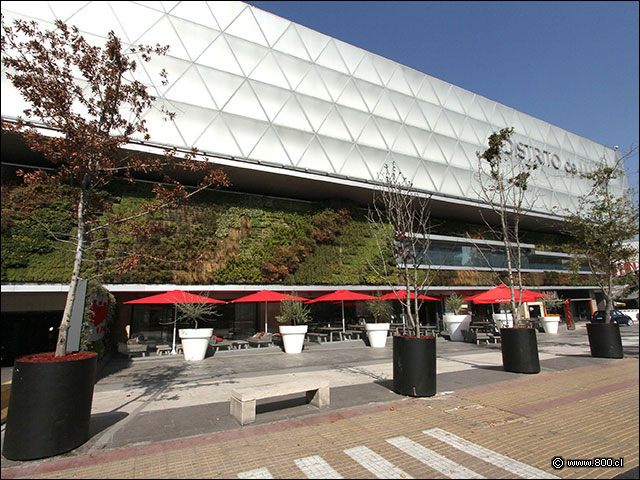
{"x":167,"y":418}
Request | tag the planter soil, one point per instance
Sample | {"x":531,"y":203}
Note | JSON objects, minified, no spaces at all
{"x":519,"y":350}
{"x":414,"y":366}
{"x":605,"y":340}
{"x":50,"y":406}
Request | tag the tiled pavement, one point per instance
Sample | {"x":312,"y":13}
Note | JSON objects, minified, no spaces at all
{"x":513,"y":427}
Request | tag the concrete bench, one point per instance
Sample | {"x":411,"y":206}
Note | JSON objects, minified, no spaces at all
{"x":131,"y":349}
{"x":163,"y":350}
{"x":243,"y":400}
{"x":318,"y":337}
{"x":351,"y":334}
{"x":482,"y":337}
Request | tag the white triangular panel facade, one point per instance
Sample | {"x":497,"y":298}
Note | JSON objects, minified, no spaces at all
{"x":248,"y":84}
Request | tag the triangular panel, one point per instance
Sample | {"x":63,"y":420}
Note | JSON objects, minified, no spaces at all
{"x":371,"y":136}
{"x":402,"y":103}
{"x":385,"y":108}
{"x":196,"y":12}
{"x":370,"y":93}
{"x":312,"y":85}
{"x":219,"y":56}
{"x":314,"y":158}
{"x":221,"y":85}
{"x":398,"y":83}
{"x":218,"y":139}
{"x":315,"y":110}
{"x":333,"y":126}
{"x":247,"y":132}
{"x":415,"y":117}
{"x":334,"y":81}
{"x":351,"y":55}
{"x":271,"y":98}
{"x":294,"y":142}
{"x":271,"y":25}
{"x":270,"y":149}
{"x":245,"y":103}
{"x":384,"y":67}
{"x":291,"y":115}
{"x":374,"y":160}
{"x":162,"y":33}
{"x":135,"y":19}
{"x":226,"y":12}
{"x":245,"y":26}
{"x":330,"y":58}
{"x":194,"y":37}
{"x":336,"y":150}
{"x":354,"y":165}
{"x":85,"y":20}
{"x":403,"y":144}
{"x":366,"y":71}
{"x":268,"y":71}
{"x":313,"y":41}
{"x":389,"y":130}
{"x":427,"y":93}
{"x":289,"y":42}
{"x":355,"y":120}
{"x":190,"y":89}
{"x":248,"y":54}
{"x":351,"y":97}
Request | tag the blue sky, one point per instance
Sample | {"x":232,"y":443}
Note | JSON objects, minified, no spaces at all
{"x":572,"y":64}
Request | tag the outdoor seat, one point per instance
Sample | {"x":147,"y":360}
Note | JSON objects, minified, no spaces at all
{"x":318,"y":337}
{"x":130,"y":349}
{"x":260,"y":339}
{"x":163,"y":350}
{"x":222,"y":344}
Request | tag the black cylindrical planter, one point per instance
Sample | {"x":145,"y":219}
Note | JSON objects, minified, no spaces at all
{"x":519,"y":350}
{"x":414,"y":366}
{"x":49,"y":407}
{"x":604,"y":340}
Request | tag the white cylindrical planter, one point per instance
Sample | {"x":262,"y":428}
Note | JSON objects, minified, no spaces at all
{"x":455,"y":324}
{"x":503,"y":320}
{"x":377,"y":334}
{"x":293,"y":337}
{"x":550,"y":324}
{"x":195,"y":342}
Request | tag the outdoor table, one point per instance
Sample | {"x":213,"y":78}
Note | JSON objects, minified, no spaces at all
{"x":331,"y":331}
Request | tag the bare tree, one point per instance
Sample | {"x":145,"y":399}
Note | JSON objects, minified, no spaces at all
{"x":400,"y":221}
{"x":503,"y":182}
{"x":606,"y":219}
{"x":84,"y":106}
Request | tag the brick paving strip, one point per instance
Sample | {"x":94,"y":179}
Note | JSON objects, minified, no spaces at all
{"x":580,"y":413}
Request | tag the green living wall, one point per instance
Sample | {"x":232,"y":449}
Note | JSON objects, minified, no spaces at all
{"x":216,"y":238}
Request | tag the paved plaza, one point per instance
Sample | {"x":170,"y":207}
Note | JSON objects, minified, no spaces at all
{"x":166,"y":418}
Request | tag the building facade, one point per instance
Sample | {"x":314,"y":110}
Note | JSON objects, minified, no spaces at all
{"x":290,"y":112}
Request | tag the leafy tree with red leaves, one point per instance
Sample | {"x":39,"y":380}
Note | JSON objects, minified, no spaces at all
{"x":85,"y":108}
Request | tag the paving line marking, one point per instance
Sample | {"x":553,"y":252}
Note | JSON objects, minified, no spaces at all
{"x":257,"y":473}
{"x":316,"y":467}
{"x":432,"y":459}
{"x":495,"y":458}
{"x":373,"y":462}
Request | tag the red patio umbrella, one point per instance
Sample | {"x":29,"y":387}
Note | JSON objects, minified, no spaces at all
{"x":173,"y":297}
{"x":502,"y":294}
{"x":267,"y":296}
{"x":342,"y":296}
{"x":402,"y":295}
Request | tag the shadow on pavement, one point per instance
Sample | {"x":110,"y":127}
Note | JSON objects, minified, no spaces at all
{"x":102,"y":421}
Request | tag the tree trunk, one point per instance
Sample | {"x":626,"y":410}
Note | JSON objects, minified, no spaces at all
{"x":61,"y":345}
